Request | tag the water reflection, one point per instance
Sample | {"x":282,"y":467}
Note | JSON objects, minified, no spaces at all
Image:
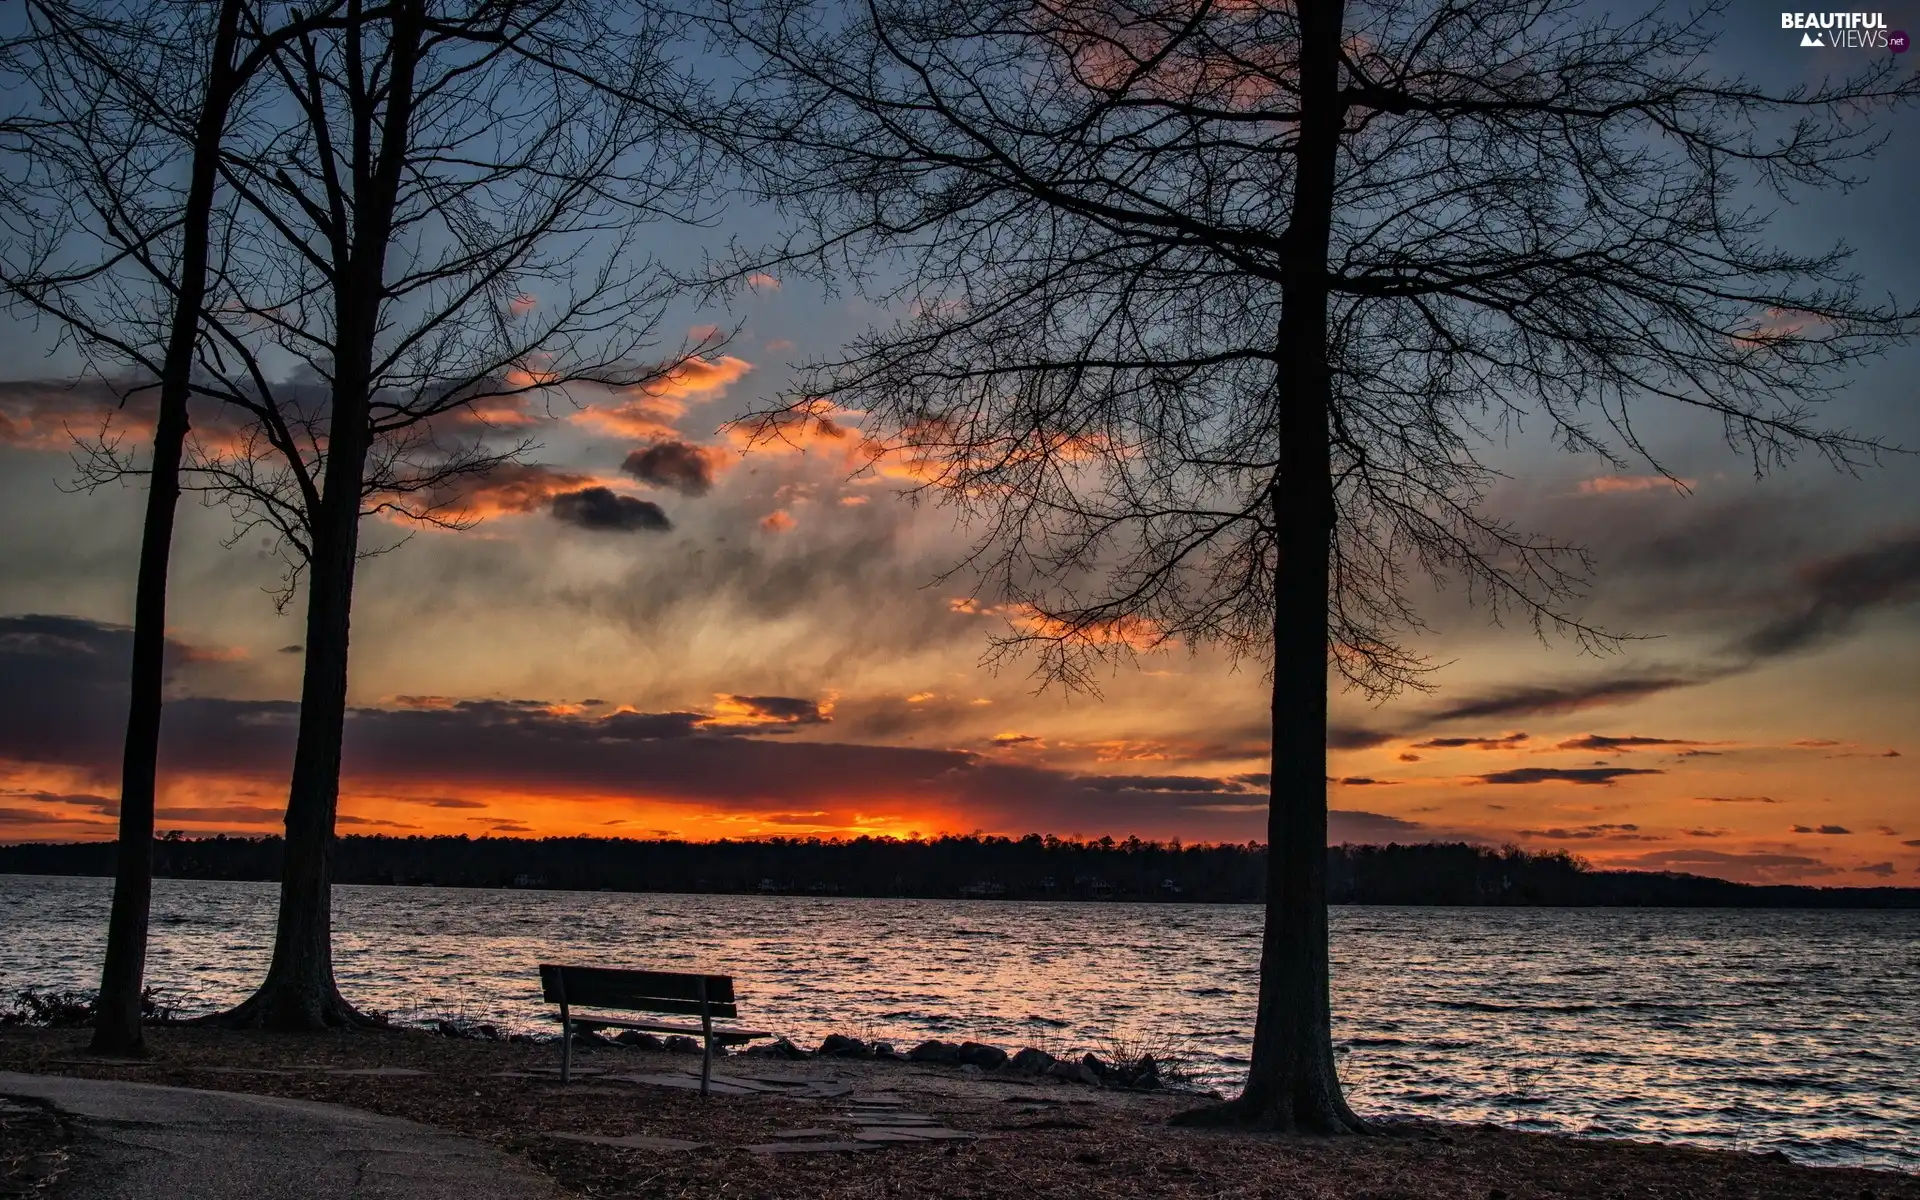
{"x":1766,"y":1030}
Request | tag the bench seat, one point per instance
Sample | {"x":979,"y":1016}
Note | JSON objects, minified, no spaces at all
{"x":722,"y":1034}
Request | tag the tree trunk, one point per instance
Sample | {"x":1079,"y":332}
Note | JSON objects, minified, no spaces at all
{"x":299,"y":992}
{"x":1291,"y":1082}
{"x":117,"y":1011}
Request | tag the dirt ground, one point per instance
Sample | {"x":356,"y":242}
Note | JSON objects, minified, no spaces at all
{"x":1035,"y":1137}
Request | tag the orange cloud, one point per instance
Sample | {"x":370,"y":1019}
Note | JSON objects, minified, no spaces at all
{"x":650,"y":410}
{"x":777,"y":521}
{"x":1608,"y":485}
{"x":522,"y":304}
{"x":760,"y":281}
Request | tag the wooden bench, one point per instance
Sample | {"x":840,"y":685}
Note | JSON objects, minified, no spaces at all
{"x":703,"y":996}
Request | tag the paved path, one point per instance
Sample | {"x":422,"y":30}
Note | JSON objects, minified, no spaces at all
{"x":137,"y":1141}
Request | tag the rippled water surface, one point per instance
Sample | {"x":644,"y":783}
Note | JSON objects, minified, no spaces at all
{"x":1789,"y":1030}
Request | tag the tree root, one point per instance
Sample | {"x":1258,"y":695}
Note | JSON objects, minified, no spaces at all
{"x":286,"y":1010}
{"x":1323,"y":1120}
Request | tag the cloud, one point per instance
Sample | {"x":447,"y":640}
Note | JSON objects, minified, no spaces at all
{"x":1354,"y":737}
{"x":1610,"y":833}
{"x":1365,"y":781}
{"x":1826,"y":829}
{"x":777,"y":521}
{"x":1760,"y":866}
{"x":1535,"y":699}
{"x":1605,"y":744}
{"x":522,"y":304}
{"x":1608,"y":485}
{"x":345,"y":819}
{"x":1736,"y":799}
{"x":46,"y":414}
{"x":34,"y":816}
{"x":1834,"y":593}
{"x":1014,"y":739}
{"x":1507,"y":741}
{"x":760,"y":281}
{"x":1350,"y":826}
{"x":1882,"y":869}
{"x":446,"y":802}
{"x":1160,"y":783}
{"x":516,"y":488}
{"x":730,"y":711}
{"x":601,"y":508}
{"x":698,"y":376}
{"x":1580,"y":775}
{"x":682,"y":466}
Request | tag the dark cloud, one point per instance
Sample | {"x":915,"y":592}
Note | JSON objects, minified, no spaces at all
{"x":686,"y":468}
{"x":1736,"y":799}
{"x":1365,"y":781}
{"x":1755,"y":864}
{"x":1827,"y":829}
{"x":1159,"y":783}
{"x":1601,"y":742}
{"x":1505,"y":741}
{"x":1354,"y":737}
{"x":1609,"y":833}
{"x":448,"y":802}
{"x":293,"y":649}
{"x":238,"y":814}
{"x":344,"y":819}
{"x":603,"y":509}
{"x":1351,"y":826}
{"x":780,"y":710}
{"x":1707,"y":833}
{"x":1833,"y":594}
{"x":34,"y":816}
{"x":1912,"y":842}
{"x":1582,"y":775}
{"x":1883,"y":869}
{"x":1523,"y":700}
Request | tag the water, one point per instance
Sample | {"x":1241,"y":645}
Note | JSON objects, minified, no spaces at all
{"x":1765,"y":1030}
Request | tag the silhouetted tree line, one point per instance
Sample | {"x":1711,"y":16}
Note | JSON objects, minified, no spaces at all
{"x":1034,"y":867}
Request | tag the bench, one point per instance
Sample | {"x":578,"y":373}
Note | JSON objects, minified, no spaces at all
{"x":703,"y":996}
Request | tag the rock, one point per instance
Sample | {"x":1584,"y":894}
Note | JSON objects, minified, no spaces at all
{"x":1031,"y":1061}
{"x":1092,"y":1071}
{"x":644,"y":1041}
{"x":489,"y":1032}
{"x":979,"y":1054}
{"x":1146,"y":1074}
{"x":520,"y":1039}
{"x":972,"y":1070}
{"x":780,"y":1048}
{"x":935,"y":1052}
{"x":589,"y":1037}
{"x":839,"y":1045}
{"x":681,"y":1044}
{"x":1065,"y":1070}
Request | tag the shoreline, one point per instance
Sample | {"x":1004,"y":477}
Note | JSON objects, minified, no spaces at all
{"x":1027,"y":1136}
{"x":1904,"y":899}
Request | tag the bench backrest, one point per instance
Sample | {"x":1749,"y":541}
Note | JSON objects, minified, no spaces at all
{"x":638,"y":991}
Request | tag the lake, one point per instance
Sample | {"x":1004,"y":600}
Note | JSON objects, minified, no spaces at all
{"x":1776,"y":1029}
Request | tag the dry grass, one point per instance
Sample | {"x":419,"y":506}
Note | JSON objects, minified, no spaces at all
{"x":1039,"y":1138}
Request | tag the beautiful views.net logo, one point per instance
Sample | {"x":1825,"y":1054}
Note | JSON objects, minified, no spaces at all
{"x":1845,"y":31}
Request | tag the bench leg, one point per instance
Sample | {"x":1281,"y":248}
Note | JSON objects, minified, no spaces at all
{"x":566,"y":1047}
{"x":706,"y":1056}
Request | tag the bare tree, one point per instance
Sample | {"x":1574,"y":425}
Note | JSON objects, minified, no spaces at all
{"x":1211,"y":309}
{"x":426,"y":228}
{"x":117,"y":93}
{"x":441,"y":222}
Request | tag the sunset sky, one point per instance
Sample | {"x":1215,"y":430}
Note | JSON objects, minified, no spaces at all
{"x":730,"y":643}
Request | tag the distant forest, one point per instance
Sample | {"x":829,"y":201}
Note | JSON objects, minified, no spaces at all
{"x":1028,"y":868}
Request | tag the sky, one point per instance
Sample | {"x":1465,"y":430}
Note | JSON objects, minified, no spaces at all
{"x":701,"y":639}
